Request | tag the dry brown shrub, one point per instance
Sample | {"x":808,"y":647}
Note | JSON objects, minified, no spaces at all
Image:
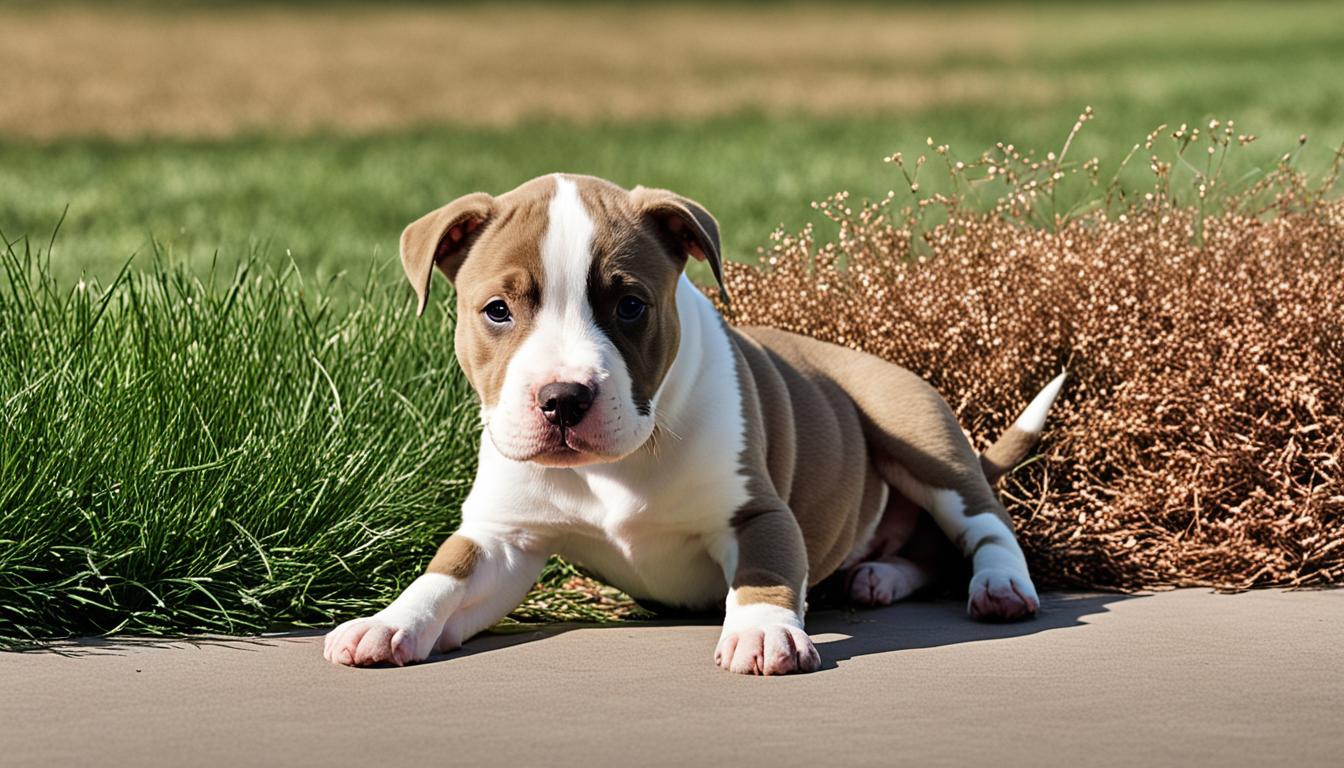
{"x":1200,"y":436}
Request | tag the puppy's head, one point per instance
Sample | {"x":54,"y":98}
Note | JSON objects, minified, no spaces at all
{"x":567,"y":314}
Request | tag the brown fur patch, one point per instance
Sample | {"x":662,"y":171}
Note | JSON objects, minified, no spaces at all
{"x":782,"y":596}
{"x":442,"y":238}
{"x":1006,"y":452}
{"x":770,"y":549}
{"x":456,"y":557}
{"x":690,"y":229}
{"x":904,"y":419}
{"x":633,"y":256}
{"x":502,"y":261}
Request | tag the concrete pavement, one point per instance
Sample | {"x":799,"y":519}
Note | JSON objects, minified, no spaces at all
{"x":1175,"y":678}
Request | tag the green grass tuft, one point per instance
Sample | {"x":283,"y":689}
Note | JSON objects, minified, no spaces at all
{"x":227,"y":453}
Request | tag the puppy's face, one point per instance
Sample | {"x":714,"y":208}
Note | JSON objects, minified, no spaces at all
{"x":567,"y":317}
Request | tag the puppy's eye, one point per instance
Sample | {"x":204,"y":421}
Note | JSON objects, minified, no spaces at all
{"x":497,"y":312}
{"x":630,"y":308}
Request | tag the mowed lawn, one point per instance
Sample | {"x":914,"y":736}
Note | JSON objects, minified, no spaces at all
{"x":229,"y":442}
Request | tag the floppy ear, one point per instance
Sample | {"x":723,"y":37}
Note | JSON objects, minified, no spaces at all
{"x":688,"y":223}
{"x":442,"y":237}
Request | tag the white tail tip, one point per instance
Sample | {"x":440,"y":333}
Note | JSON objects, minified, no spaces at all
{"x":1032,"y":419}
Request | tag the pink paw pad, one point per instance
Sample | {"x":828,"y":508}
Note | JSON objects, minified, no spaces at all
{"x":774,"y":649}
{"x":365,"y":642}
{"x":1001,"y":596}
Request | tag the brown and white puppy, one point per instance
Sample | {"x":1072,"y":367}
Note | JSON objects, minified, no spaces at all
{"x":690,"y":464}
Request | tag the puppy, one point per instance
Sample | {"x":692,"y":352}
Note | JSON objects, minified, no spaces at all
{"x":690,"y":464}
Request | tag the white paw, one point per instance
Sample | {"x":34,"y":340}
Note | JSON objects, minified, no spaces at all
{"x":1001,"y":594}
{"x":375,"y":640}
{"x":879,"y":583}
{"x":770,"y":649}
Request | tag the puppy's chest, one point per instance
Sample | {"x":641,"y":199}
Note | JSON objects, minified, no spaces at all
{"x":657,"y":542}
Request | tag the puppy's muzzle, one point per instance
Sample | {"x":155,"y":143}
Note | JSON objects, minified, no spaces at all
{"x":565,"y":403}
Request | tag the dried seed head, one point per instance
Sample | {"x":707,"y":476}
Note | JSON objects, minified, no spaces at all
{"x":1200,"y":439}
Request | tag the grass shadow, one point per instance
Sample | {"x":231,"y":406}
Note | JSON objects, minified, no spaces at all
{"x":120,"y":646}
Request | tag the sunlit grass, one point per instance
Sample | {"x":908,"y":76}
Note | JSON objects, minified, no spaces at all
{"x":218,"y":453}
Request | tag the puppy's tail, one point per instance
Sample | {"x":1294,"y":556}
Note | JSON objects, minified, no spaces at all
{"x":1012,"y":446}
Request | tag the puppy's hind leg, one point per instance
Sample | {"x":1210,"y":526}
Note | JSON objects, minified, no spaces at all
{"x":885,"y":575}
{"x":919,"y":448}
{"x":887,"y":580}
{"x":1001,"y":588}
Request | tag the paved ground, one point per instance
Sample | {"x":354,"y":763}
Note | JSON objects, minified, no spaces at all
{"x":1182,"y":678}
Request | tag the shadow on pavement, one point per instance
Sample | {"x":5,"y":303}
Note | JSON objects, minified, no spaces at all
{"x":905,"y":626}
{"x":841,"y":634}
{"x":116,"y":646}
{"x":931,"y":624}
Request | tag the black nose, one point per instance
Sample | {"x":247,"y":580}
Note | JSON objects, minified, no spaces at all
{"x":565,"y":402}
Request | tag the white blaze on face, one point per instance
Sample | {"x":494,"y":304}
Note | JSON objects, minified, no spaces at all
{"x":566,"y":345}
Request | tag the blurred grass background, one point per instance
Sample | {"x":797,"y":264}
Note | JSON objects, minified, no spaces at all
{"x":316,"y":131}
{"x":246,"y":431}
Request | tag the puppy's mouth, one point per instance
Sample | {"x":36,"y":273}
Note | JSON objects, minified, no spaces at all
{"x":564,"y":448}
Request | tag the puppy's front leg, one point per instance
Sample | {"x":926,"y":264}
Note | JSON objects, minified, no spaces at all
{"x":477,"y":577}
{"x":767,"y":575}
